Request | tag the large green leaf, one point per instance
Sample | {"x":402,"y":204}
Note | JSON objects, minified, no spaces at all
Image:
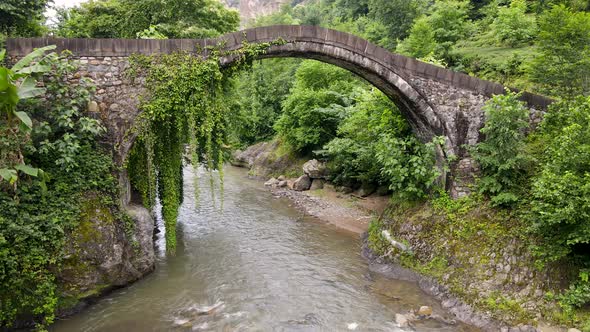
{"x":29,"y":89}
{"x":24,"y":117}
{"x":27,"y":169}
{"x":9,"y":97}
{"x":4,"y":78}
{"x":2,"y":54}
{"x":9,"y":175}
{"x":31,"y":57}
{"x":37,"y":68}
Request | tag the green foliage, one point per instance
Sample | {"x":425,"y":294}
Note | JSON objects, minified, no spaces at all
{"x":563,"y":66}
{"x":35,"y":216}
{"x":185,"y":106}
{"x":396,"y":17}
{"x":578,"y":294}
{"x":259,"y":93}
{"x":420,"y":42}
{"x":513,"y":26}
{"x":501,"y":155}
{"x":17,"y":84}
{"x":22,"y":17}
{"x":409,"y":165}
{"x":560,"y":203}
{"x":315,"y":107}
{"x":352,"y":155}
{"x":130,"y":18}
{"x":62,"y":128}
{"x":376,"y":147}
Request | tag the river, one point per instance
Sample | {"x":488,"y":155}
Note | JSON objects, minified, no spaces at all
{"x":248,"y":261}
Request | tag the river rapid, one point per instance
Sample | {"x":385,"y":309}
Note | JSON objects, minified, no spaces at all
{"x":249,"y":261}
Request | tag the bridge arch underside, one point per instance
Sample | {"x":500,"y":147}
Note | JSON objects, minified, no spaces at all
{"x":413,"y":105}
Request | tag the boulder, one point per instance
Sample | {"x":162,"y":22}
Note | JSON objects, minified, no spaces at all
{"x":302,"y":183}
{"x":424,"y":311}
{"x":317,"y":184}
{"x":272,"y":182}
{"x":366,"y":190}
{"x":101,"y":254}
{"x":344,"y":189}
{"x":93,"y":107}
{"x":281,"y":178}
{"x":283,"y":184}
{"x":401,"y":320}
{"x":238,"y":159}
{"x":315,"y":169}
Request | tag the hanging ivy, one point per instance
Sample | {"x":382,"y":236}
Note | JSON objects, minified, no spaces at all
{"x":185,"y":107}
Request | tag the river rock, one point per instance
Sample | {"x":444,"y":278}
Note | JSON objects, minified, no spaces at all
{"x":315,"y":169}
{"x":401,"y":320}
{"x":317,"y":184}
{"x":239,"y":159}
{"x":272,"y":182}
{"x":344,"y":189}
{"x":283,"y":184}
{"x":99,"y":254}
{"x":366,"y":190}
{"x":93,"y":107}
{"x":302,"y":183}
{"x":424,"y":311}
{"x":281,"y":178}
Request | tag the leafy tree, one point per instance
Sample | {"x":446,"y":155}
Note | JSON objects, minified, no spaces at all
{"x":352,"y":155}
{"x":513,"y":26}
{"x":560,"y":203}
{"x":450,"y":21}
{"x":127,"y":18}
{"x":562,"y":67}
{"x":420,"y":43}
{"x":259,"y":94}
{"x":396,"y":16}
{"x":315,"y":107}
{"x":501,"y":155}
{"x":447,"y":23}
{"x":22,"y":17}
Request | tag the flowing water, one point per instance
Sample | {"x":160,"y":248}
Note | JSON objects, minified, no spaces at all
{"x":251,"y":262}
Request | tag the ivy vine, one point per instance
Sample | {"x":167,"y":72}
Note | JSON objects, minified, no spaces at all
{"x":185,"y":114}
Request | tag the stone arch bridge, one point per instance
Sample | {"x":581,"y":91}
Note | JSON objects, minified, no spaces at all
{"x":436,"y":101}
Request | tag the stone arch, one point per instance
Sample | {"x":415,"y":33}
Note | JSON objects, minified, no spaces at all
{"x":436,"y":101}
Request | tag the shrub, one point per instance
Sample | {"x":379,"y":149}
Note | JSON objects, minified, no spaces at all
{"x":513,"y":26}
{"x":560,"y":197}
{"x":501,"y":155}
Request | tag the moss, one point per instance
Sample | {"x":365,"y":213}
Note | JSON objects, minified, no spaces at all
{"x":68,"y":302}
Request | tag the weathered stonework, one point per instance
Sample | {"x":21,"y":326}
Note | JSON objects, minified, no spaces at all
{"x":436,"y":101}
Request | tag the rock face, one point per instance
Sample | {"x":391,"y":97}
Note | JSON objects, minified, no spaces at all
{"x":315,"y":169}
{"x":264,"y":160}
{"x":100,"y":254}
{"x":302,"y":183}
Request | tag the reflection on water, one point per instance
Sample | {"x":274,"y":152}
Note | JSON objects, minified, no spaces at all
{"x":255,"y":265}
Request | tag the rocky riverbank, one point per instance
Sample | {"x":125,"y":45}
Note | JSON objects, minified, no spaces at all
{"x":354,"y":214}
{"x":464,"y":253}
